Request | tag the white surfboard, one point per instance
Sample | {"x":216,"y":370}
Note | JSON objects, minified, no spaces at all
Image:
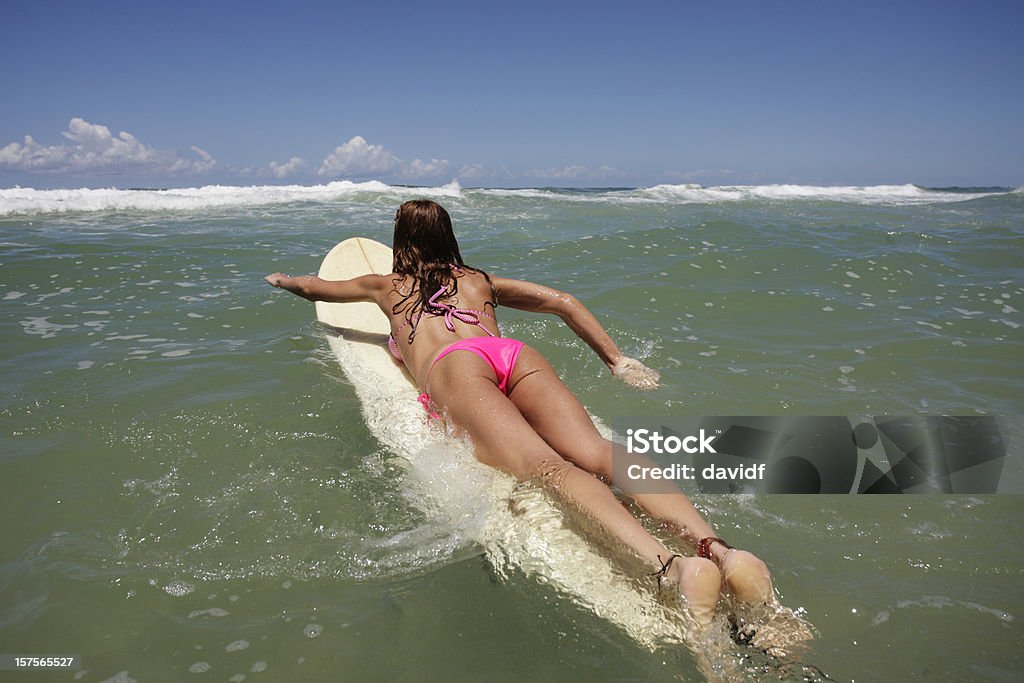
{"x":363,"y":324}
{"x":518,"y":526}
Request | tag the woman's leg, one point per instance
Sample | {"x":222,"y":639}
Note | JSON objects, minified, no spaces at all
{"x":465,"y":387}
{"x":557,"y":416}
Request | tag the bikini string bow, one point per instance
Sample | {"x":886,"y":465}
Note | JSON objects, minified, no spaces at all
{"x":451,"y":313}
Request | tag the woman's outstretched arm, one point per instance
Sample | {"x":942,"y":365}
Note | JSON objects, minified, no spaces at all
{"x":529,"y":296}
{"x":365,"y":288}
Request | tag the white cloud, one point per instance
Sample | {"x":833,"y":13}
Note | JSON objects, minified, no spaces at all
{"x":700,"y":174}
{"x":479,"y":171}
{"x":288,"y":168}
{"x":473,"y":172}
{"x":422,"y":169}
{"x":576,"y":172}
{"x":94,"y":149}
{"x":357,"y":157}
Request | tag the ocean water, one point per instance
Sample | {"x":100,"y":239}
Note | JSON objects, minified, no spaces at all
{"x":190,"y":487}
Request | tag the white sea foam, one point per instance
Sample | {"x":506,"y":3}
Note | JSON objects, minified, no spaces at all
{"x":43,"y":327}
{"x":28,"y":201}
{"x":236,"y":646}
{"x":179,"y":588}
{"x":18,"y":200}
{"x":872,"y":194}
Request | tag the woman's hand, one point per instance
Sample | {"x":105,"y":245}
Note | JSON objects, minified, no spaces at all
{"x":275,"y":279}
{"x":636,"y":374}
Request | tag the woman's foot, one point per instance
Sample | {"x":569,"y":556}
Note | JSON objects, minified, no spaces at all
{"x":746,"y":576}
{"x":699,"y":582}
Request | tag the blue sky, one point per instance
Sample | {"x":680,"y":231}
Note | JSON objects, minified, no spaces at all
{"x":511,"y":94}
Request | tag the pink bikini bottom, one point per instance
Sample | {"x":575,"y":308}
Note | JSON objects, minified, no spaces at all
{"x":499,"y":352}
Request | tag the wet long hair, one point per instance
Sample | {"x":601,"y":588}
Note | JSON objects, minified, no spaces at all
{"x":425,"y":249}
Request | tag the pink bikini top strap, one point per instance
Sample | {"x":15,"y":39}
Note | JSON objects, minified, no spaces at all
{"x":466,"y":315}
{"x":450,"y":313}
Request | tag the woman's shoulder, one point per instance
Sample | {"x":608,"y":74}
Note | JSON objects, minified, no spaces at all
{"x":476,"y":283}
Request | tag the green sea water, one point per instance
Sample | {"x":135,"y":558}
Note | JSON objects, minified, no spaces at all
{"x":189,"y":487}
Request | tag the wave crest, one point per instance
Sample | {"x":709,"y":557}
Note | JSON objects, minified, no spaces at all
{"x":28,"y":201}
{"x":869,"y":194}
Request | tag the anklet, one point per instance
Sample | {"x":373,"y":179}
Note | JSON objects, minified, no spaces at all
{"x":704,"y":547}
{"x":664,"y":569}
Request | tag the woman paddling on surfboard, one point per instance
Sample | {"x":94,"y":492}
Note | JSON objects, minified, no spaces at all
{"x":518,"y":414}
